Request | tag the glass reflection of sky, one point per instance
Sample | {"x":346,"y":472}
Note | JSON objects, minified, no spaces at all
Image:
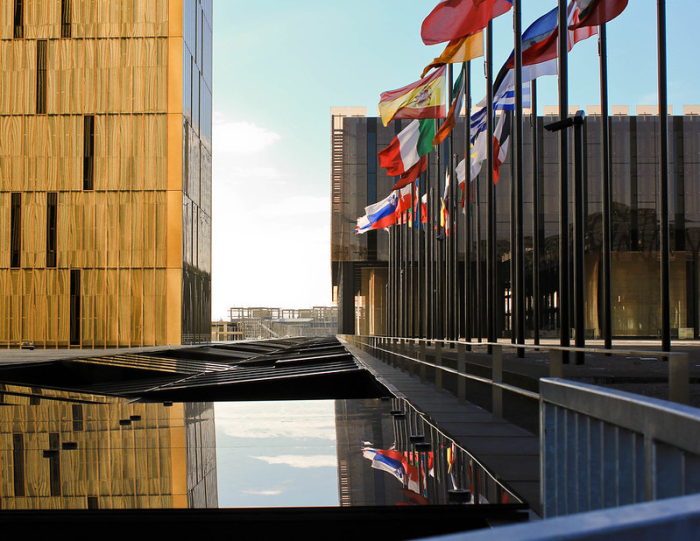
{"x":276,"y":454}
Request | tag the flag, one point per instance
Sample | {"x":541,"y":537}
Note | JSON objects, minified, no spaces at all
{"x":501,"y":136}
{"x":597,"y":12}
{"x":479,"y":149}
{"x":416,"y":205}
{"x":455,"y":108}
{"x":412,"y":174}
{"x":459,"y":50}
{"x":413,"y":142}
{"x":404,"y":203}
{"x":390,"y":462}
{"x":423,"y":99}
{"x":424,"y":208}
{"x":379,"y":215}
{"x":452,"y":19}
{"x":545,"y":36}
{"x":444,"y":202}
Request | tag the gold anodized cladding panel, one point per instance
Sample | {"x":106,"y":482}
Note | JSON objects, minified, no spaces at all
{"x":112,"y":466}
{"x":120,"y":224}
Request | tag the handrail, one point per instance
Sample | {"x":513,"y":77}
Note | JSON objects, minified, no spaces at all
{"x":678,"y":368}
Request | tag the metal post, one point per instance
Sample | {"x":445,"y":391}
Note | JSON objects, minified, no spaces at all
{"x":665,"y":259}
{"x":518,"y":291}
{"x":438,"y":363}
{"x":497,"y":377}
{"x":564,"y":302}
{"x":678,"y":378}
{"x":606,"y":267}
{"x":579,"y":267}
{"x":461,"y":368}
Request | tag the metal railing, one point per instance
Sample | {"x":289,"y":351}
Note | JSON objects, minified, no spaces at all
{"x":410,"y":353}
{"x":603,"y":448}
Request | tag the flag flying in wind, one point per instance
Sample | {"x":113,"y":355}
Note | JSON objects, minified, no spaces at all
{"x":404,"y":205}
{"x":501,"y":136}
{"x":455,"y":108}
{"x":452,"y":19}
{"x":459,"y":50}
{"x":409,"y":146}
{"x":379,"y":215}
{"x":545,"y":36}
{"x":597,"y":12}
{"x":412,"y":174}
{"x":423,"y":99}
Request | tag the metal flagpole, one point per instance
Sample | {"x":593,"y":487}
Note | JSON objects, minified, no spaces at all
{"x":518,"y":292}
{"x":448,"y":290}
{"x":663,"y":178}
{"x":606,"y":192}
{"x":491,"y":268}
{"x":536,"y":304}
{"x":579,"y":251}
{"x":468,"y":297}
{"x":563,"y":301}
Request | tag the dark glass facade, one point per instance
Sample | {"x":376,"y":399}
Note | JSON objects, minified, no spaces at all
{"x":635,"y":280}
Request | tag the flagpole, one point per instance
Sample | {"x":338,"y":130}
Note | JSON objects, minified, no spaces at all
{"x":449,"y":291}
{"x":467,"y":207}
{"x":519,"y":291}
{"x":606,"y":176}
{"x":535,"y":215}
{"x":564,"y":301}
{"x":429,"y":297}
{"x":663,"y":189}
{"x":422,"y":325}
{"x":491,"y":268}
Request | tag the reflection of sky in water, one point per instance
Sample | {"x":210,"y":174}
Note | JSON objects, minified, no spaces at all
{"x":276,"y":454}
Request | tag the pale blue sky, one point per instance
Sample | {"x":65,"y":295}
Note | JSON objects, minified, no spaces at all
{"x":280,"y":66}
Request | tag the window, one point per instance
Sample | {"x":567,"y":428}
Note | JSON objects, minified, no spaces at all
{"x":75,"y":307}
{"x":55,"y":464}
{"x":88,"y":151}
{"x":16,"y":230}
{"x":51,"y":228}
{"x":65,"y":19}
{"x":18,"y":463}
{"x":41,"y":62}
{"x":19,"y":19}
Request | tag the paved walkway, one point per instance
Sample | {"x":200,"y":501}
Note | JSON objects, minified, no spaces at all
{"x":508,"y":451}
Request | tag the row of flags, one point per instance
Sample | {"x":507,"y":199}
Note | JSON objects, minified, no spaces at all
{"x":461,"y":24}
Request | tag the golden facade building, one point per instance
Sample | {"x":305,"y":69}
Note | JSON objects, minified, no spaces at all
{"x":105,"y":172}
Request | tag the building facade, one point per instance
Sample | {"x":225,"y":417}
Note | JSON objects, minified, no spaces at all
{"x":418,"y":279}
{"x":105,"y":172}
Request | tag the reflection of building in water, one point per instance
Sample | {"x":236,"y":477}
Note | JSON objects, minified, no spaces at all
{"x":358,"y":421}
{"x":63,"y":450}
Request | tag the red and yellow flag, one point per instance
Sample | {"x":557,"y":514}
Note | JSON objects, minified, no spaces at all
{"x":423,"y":99}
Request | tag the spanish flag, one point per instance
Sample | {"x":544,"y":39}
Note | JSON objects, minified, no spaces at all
{"x":422,"y":99}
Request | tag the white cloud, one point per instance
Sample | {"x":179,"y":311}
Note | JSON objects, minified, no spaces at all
{"x":240,"y":137}
{"x":297,"y":419}
{"x":263,"y":492}
{"x":296,"y":461}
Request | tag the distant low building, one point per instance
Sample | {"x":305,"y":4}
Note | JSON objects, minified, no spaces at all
{"x":253,"y":323}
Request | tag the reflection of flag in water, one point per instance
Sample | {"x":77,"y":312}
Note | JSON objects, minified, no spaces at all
{"x":386,"y":460}
{"x":451,"y":459}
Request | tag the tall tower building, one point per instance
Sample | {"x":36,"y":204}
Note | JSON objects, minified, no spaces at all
{"x":105,"y":172}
